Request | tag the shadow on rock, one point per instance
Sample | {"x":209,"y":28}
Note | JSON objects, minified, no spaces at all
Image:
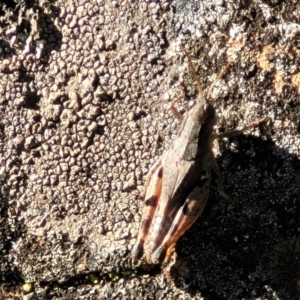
{"x":228,"y":249}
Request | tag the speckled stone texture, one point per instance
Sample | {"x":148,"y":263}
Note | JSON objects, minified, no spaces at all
{"x":83,"y":93}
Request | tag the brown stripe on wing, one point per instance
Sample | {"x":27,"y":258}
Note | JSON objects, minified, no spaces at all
{"x":151,"y":199}
{"x":185,"y":217}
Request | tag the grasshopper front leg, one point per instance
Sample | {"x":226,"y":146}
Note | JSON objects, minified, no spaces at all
{"x":172,"y":107}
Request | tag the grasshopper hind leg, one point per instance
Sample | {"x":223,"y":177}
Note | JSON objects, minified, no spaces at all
{"x":230,"y":134}
{"x":237,"y":132}
{"x":219,"y":181}
{"x":186,"y":215}
{"x":152,"y":192}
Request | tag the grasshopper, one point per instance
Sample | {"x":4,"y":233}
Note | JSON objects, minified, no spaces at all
{"x":178,"y":184}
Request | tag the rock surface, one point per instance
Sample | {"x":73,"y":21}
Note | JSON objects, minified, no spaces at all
{"x":83,"y":90}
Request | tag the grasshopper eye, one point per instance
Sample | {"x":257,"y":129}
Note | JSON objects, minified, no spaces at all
{"x":191,"y":104}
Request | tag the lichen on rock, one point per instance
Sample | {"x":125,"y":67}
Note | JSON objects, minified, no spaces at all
{"x":83,"y":88}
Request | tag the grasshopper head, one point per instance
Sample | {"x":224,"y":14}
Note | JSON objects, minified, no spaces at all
{"x":210,"y":115}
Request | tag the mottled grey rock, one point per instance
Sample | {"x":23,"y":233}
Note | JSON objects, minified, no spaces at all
{"x":82,"y":119}
{"x":31,"y":296}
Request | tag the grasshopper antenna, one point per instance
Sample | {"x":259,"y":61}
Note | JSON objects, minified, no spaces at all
{"x":218,"y":78}
{"x":200,"y":90}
